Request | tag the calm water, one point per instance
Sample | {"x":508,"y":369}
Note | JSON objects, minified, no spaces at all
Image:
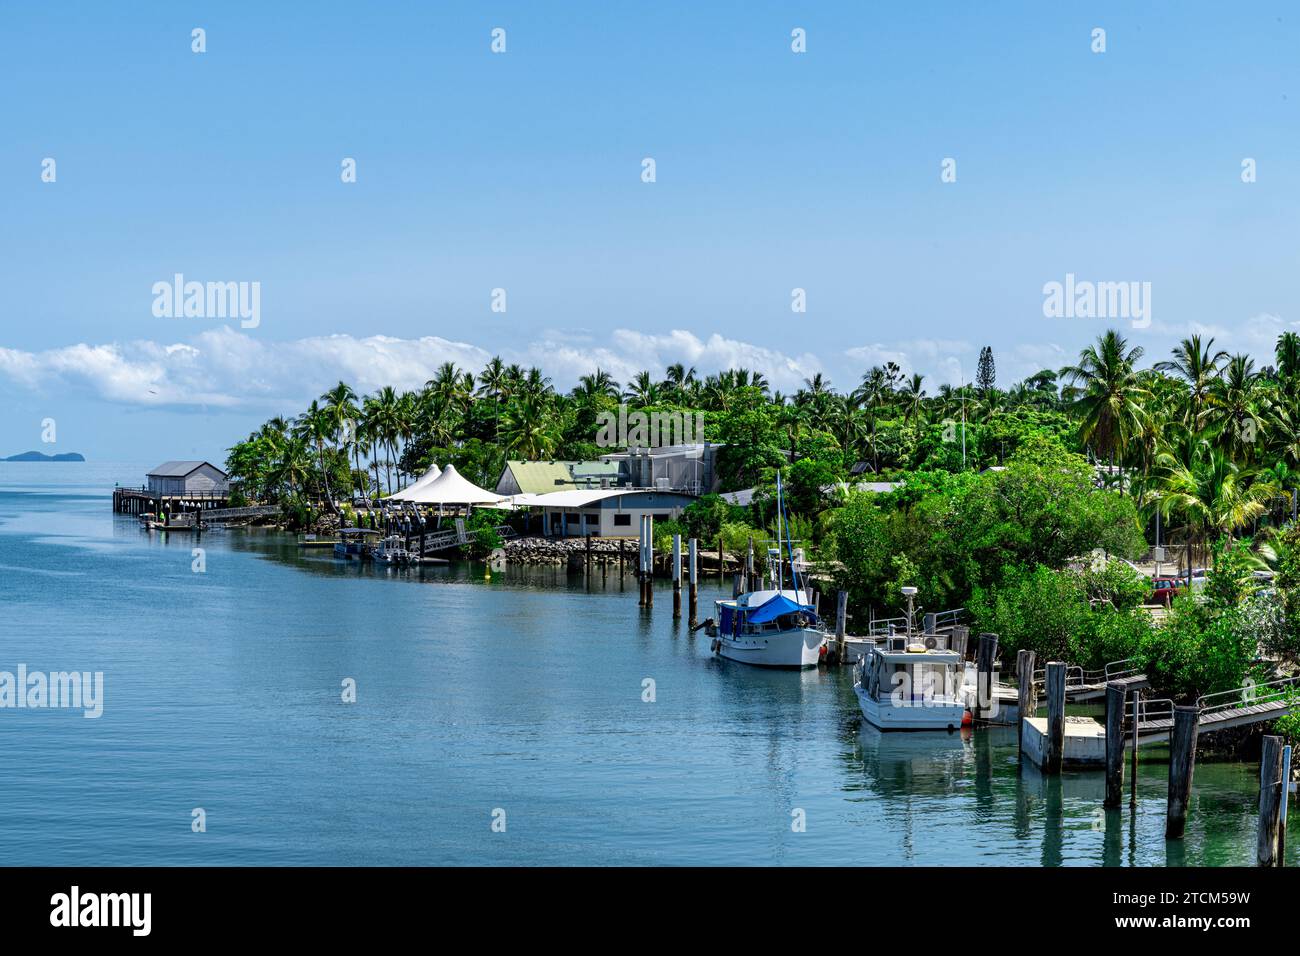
{"x":524,"y":693}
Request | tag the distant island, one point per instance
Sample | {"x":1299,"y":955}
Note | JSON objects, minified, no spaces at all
{"x":38,"y":456}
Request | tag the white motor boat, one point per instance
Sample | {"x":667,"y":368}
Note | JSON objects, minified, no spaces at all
{"x":770,"y":628}
{"x":908,"y":686}
{"x":392,"y":550}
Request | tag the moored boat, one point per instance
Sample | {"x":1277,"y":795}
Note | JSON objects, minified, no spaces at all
{"x":392,"y":550}
{"x":352,"y":543}
{"x":911,"y":682}
{"x":773,"y":626}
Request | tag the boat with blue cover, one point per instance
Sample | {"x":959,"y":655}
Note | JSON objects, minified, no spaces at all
{"x":775,"y":625}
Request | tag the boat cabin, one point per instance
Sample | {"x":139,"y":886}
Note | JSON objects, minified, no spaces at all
{"x":911,"y":673}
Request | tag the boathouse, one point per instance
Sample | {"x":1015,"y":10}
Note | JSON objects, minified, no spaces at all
{"x":601,"y":512}
{"x":179,"y":478}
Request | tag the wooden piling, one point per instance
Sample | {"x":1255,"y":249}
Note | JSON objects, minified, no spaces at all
{"x":722,"y":571}
{"x":1286,"y":796}
{"x":677,"y":576}
{"x":1182,"y":760}
{"x":984,"y":686}
{"x":1133,"y":762}
{"x":640,"y":564}
{"x":693,"y":576}
{"x":1114,"y":745}
{"x":649,"y":561}
{"x":841,"y":624}
{"x":1268,"y":847}
{"x":1055,"y":716}
{"x":735,"y":586}
{"x":1025,"y":683}
{"x":960,"y":638}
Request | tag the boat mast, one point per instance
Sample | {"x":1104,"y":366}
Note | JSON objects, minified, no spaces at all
{"x":780,"y":575}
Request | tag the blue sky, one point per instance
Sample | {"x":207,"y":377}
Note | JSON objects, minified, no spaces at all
{"x":521,"y":171}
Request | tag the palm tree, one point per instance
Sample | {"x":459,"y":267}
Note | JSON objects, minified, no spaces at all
{"x":384,"y":427}
{"x":1238,"y":408}
{"x":341,"y":408}
{"x":315,"y":427}
{"x":291,"y":469}
{"x":874,"y":392}
{"x":1198,"y":366}
{"x":1212,"y":495}
{"x":1109,"y":407}
{"x":598,"y":385}
{"x":913,"y":400}
{"x":529,"y":428}
{"x":1288,"y":355}
{"x":643,"y":390}
{"x":679,"y":380}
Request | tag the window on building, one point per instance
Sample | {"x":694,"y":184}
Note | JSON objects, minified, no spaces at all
{"x":622,"y":520}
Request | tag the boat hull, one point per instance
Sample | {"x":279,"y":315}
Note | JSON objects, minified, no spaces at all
{"x":801,"y":647}
{"x":927,"y":715}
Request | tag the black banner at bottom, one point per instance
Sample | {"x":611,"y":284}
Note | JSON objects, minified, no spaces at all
{"x":211,"y":905}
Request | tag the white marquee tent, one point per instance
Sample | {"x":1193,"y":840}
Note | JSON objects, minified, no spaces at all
{"x":428,"y":478}
{"x":450,"y":488}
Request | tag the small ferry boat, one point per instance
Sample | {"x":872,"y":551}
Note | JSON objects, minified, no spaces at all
{"x":392,"y":550}
{"x":911,"y":682}
{"x":774,"y":626}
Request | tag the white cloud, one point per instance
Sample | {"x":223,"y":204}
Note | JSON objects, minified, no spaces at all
{"x":939,"y":360}
{"x":228,"y":368}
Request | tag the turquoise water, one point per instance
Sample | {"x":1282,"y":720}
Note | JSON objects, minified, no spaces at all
{"x":522,"y":694}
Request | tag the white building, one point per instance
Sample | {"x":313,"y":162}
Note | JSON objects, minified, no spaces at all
{"x":605,"y":513}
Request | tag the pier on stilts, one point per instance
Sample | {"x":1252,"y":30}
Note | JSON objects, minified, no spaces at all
{"x":140,"y":501}
{"x":186,"y":512}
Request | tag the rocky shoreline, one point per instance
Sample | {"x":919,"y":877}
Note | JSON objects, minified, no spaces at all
{"x":534,"y":550}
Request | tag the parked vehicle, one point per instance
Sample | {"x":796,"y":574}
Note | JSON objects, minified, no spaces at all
{"x":1164,"y":590}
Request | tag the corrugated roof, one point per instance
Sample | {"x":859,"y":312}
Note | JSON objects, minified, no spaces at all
{"x":582,"y":497}
{"x":743,"y":497}
{"x":539,"y":477}
{"x":179,"y":469}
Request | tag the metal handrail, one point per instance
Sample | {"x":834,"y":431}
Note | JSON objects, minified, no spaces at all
{"x":1125,"y":672}
{"x":949,"y":618}
{"x":1149,"y":708}
{"x":1247,"y":695}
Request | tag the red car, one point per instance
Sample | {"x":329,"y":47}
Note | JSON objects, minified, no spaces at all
{"x":1165,"y":589}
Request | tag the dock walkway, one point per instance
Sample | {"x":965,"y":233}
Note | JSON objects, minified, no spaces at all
{"x":1252,"y":704}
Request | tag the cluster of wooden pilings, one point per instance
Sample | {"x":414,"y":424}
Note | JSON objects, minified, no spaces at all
{"x":645,"y":571}
{"x":1122,"y":702}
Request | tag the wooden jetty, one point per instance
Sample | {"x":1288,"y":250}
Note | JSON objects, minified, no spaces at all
{"x":1133,"y":721}
{"x":199,"y":520}
{"x":1082,"y":686}
{"x":136,"y":501}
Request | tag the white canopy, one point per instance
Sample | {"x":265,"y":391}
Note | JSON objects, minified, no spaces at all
{"x":450,"y":488}
{"x":428,"y":478}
